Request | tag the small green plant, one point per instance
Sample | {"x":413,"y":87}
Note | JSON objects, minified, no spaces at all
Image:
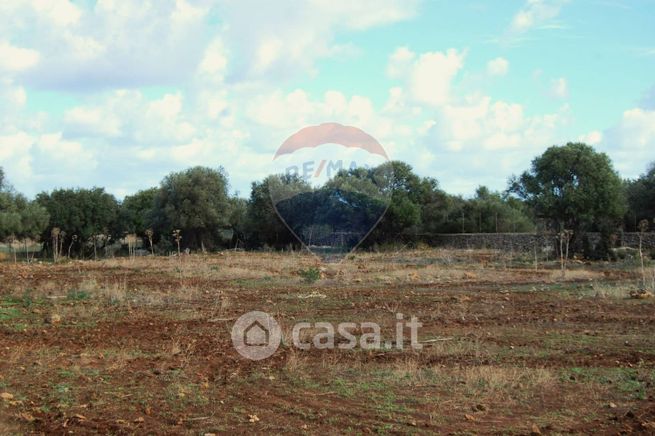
{"x":8,"y":313}
{"x":77,"y":295}
{"x":310,"y":275}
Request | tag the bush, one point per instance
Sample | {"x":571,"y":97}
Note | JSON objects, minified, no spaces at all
{"x":626,"y":253}
{"x":77,"y":295}
{"x":310,"y":275}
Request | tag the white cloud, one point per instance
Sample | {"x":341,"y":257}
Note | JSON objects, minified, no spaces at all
{"x":12,"y":97}
{"x":429,"y":76}
{"x":60,"y":12}
{"x":166,"y":109}
{"x":16,"y":158}
{"x":559,"y":88}
{"x":59,"y":162}
{"x":92,"y":121}
{"x":631,"y":141}
{"x":591,"y":138}
{"x":14,"y":59}
{"x":109,"y":43}
{"x":88,"y":46}
{"x":535,"y":13}
{"x":284,"y":39}
{"x":230,"y":105}
{"x":287,"y":112}
{"x":637,"y":129}
{"x":479,"y":124}
{"x":498,"y":67}
{"x":399,"y":62}
{"x":432,"y":75}
{"x":214,"y":62}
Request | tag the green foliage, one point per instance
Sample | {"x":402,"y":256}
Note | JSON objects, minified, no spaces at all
{"x":195,"y":201}
{"x":85,"y":213}
{"x":640,"y":195}
{"x":77,"y":295}
{"x":310,"y":275}
{"x":493,"y":212}
{"x":353,"y":201}
{"x":237,"y":220}
{"x":19,"y":218}
{"x":572,"y":187}
{"x":136,"y":211}
{"x":263,"y":225}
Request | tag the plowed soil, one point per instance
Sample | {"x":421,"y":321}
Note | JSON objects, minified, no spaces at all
{"x":143,"y":346}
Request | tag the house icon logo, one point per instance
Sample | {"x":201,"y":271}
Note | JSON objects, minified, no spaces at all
{"x":256,"y":335}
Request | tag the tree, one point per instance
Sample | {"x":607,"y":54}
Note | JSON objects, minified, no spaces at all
{"x":237,"y":220}
{"x":640,"y":194}
{"x":263,"y":226}
{"x":20,"y":219}
{"x":195,"y":202}
{"x":136,"y":211}
{"x":406,"y":191}
{"x":90,"y":214}
{"x":572,"y":187}
{"x":492,"y":212}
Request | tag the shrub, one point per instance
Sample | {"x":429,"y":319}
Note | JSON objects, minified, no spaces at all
{"x":77,"y":295}
{"x":310,"y":275}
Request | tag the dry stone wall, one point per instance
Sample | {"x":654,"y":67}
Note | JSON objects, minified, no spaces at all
{"x":526,"y":242}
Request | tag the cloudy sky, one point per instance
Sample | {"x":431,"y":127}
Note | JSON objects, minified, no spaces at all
{"x":118,"y":93}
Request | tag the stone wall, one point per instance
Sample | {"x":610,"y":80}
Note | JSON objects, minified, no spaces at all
{"x":525,"y":242}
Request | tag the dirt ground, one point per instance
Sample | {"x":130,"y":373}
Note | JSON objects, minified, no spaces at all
{"x":143,"y":346}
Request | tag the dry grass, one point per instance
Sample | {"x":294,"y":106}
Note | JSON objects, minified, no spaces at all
{"x":576,"y":275}
{"x":497,"y":381}
{"x":611,"y":290}
{"x":296,"y":363}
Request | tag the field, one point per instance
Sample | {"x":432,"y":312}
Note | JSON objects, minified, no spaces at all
{"x":143,"y":346}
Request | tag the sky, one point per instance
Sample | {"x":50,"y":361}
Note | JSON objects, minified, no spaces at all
{"x":118,"y":94}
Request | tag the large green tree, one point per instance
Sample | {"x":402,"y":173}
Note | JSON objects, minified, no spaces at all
{"x":136,"y":211}
{"x":19,"y":217}
{"x":572,"y":187}
{"x":263,"y":225}
{"x":196,"y":202}
{"x":492,"y":212}
{"x":407,"y":191}
{"x":89,"y":215}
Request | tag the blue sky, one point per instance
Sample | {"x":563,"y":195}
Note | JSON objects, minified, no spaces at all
{"x":118,"y":94}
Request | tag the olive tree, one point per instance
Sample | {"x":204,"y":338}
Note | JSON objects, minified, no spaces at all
{"x":572,"y":187}
{"x":196,"y":202}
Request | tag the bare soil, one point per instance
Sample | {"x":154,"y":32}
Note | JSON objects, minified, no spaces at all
{"x":143,"y":346}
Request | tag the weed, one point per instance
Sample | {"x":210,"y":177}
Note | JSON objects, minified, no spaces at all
{"x":62,"y":394}
{"x":8,"y":313}
{"x":77,"y":295}
{"x":310,"y":275}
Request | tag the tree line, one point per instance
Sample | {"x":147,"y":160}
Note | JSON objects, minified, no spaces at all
{"x":569,"y":188}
